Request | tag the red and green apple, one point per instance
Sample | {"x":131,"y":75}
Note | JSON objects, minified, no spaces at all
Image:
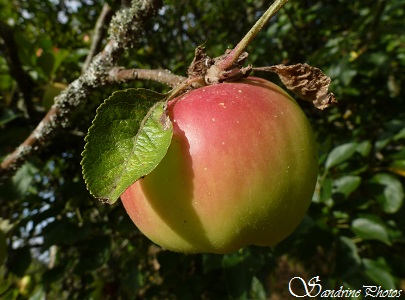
{"x":241,"y":170}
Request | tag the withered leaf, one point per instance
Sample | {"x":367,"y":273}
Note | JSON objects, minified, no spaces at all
{"x":200,"y":63}
{"x":308,"y":82}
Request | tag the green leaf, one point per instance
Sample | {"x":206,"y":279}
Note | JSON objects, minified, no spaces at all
{"x":364,"y":148}
{"x":348,"y":259}
{"x":391,"y":196}
{"x":46,"y":63}
{"x":129,"y":137}
{"x":400,"y":135}
{"x":19,"y":184}
{"x":346,"y":184}
{"x":6,"y":81}
{"x":370,"y":229}
{"x":23,"y":178}
{"x":326,"y":191}
{"x":257,"y":290}
{"x":379,"y":272}
{"x":59,"y":56}
{"x":340,"y":154}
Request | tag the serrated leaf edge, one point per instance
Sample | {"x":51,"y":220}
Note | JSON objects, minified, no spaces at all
{"x":144,"y":120}
{"x":83,"y":154}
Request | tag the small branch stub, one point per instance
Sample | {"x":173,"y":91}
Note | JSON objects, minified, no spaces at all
{"x":210,"y":69}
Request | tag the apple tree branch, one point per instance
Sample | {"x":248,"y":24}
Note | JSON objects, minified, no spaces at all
{"x":124,"y":28}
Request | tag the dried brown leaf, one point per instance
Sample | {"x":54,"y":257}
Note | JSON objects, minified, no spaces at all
{"x":200,"y":63}
{"x":308,"y":82}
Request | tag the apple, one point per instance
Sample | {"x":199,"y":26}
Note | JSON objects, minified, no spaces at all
{"x":241,"y":170}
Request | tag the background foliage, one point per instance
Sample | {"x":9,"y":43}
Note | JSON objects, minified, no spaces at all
{"x":57,"y":242}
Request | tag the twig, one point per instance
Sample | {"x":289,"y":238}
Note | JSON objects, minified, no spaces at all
{"x":24,"y":81}
{"x":124,"y":30}
{"x":99,"y":33}
{"x":119,"y":74}
{"x":236,"y":52}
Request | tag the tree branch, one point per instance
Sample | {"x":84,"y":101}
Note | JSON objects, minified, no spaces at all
{"x":119,"y":74}
{"x":124,"y":30}
{"x":99,"y":32}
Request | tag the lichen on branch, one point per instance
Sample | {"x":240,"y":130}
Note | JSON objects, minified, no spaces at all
{"x":125,"y":29}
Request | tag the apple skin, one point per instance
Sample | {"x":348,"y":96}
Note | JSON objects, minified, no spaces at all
{"x":241,"y":170}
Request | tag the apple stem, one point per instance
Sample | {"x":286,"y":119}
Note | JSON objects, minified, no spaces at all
{"x":241,"y":46}
{"x":183,"y":86}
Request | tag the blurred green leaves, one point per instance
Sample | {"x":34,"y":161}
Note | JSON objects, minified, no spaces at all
{"x":389,"y":192}
{"x":346,"y":185}
{"x":379,"y":271}
{"x":340,"y":154}
{"x":72,"y":247}
{"x":370,"y":228}
{"x":18,"y":186}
